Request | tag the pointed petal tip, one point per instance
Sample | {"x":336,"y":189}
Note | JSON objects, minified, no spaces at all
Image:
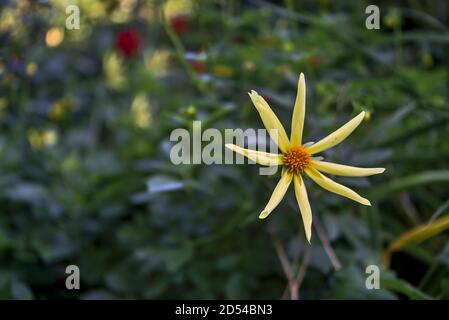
{"x":256,"y":99}
{"x":366,"y":202}
{"x":309,"y":232}
{"x":309,"y":235}
{"x":378,"y":170}
{"x":229,"y":145}
{"x":263,"y":214}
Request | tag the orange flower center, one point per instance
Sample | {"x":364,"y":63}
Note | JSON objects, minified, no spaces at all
{"x":296,"y":159}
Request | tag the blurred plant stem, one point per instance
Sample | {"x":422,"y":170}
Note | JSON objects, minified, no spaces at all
{"x":398,"y":44}
{"x":324,"y":240}
{"x":444,"y":207}
{"x":372,"y":219}
{"x":428,"y":275}
{"x":409,"y":208}
{"x":326,"y":244}
{"x":293,"y":281}
{"x":290,"y":4}
{"x":180,"y":53}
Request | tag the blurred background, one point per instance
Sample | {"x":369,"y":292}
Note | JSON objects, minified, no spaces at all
{"x":85,"y":174}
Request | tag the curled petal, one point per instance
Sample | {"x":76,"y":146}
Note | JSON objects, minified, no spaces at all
{"x":335,"y":187}
{"x":299,"y":113}
{"x":342,"y":170}
{"x":278,"y":194}
{"x":338,"y":135}
{"x":270,"y":121}
{"x":304,"y":205}
{"x":263,"y":158}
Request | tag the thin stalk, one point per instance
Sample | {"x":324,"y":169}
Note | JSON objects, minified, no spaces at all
{"x":180,"y":53}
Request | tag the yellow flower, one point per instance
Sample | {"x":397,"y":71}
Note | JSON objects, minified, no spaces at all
{"x":114,"y":71}
{"x":297,"y":158}
{"x":140,"y":109}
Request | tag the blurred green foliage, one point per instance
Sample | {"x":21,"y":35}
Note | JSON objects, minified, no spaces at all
{"x":84,"y":147}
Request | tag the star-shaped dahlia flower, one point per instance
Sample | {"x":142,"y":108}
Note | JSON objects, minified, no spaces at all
{"x":297,"y":158}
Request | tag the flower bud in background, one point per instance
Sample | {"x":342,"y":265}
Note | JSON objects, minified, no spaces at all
{"x":128,"y":42}
{"x":180,"y":24}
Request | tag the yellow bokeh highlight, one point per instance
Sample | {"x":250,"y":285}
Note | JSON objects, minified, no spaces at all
{"x":140,"y":109}
{"x":60,"y":108}
{"x":114,"y":71}
{"x":367,"y":115}
{"x":173,"y":8}
{"x":7,"y":20}
{"x":249,"y":65}
{"x":41,"y":139}
{"x":158,"y":62}
{"x":31,"y":69}
{"x":54,"y":37}
{"x":223,"y":71}
{"x":191,"y":111}
{"x":123,"y":12}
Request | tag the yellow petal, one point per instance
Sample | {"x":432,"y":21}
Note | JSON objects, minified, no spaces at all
{"x":342,"y":170}
{"x":304,"y":205}
{"x":263,"y":158}
{"x":338,"y":135}
{"x":335,"y":187}
{"x":270,"y":121}
{"x":299,"y":113}
{"x":278,"y":194}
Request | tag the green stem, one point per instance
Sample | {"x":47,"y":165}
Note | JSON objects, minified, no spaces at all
{"x":180,"y":53}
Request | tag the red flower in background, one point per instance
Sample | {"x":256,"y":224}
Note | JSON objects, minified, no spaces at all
{"x":314,"y":60}
{"x":237,"y":39}
{"x":198,"y":66}
{"x":128,"y":42}
{"x":180,"y":24}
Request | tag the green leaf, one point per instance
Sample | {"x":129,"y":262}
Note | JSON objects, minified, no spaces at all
{"x":439,"y":211}
{"x":408,"y":134}
{"x":157,"y":184}
{"x":416,"y":236}
{"x":404,"y":183}
{"x":403,"y":287}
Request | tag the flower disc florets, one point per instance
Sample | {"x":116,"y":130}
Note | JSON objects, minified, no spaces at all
{"x":296,"y":159}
